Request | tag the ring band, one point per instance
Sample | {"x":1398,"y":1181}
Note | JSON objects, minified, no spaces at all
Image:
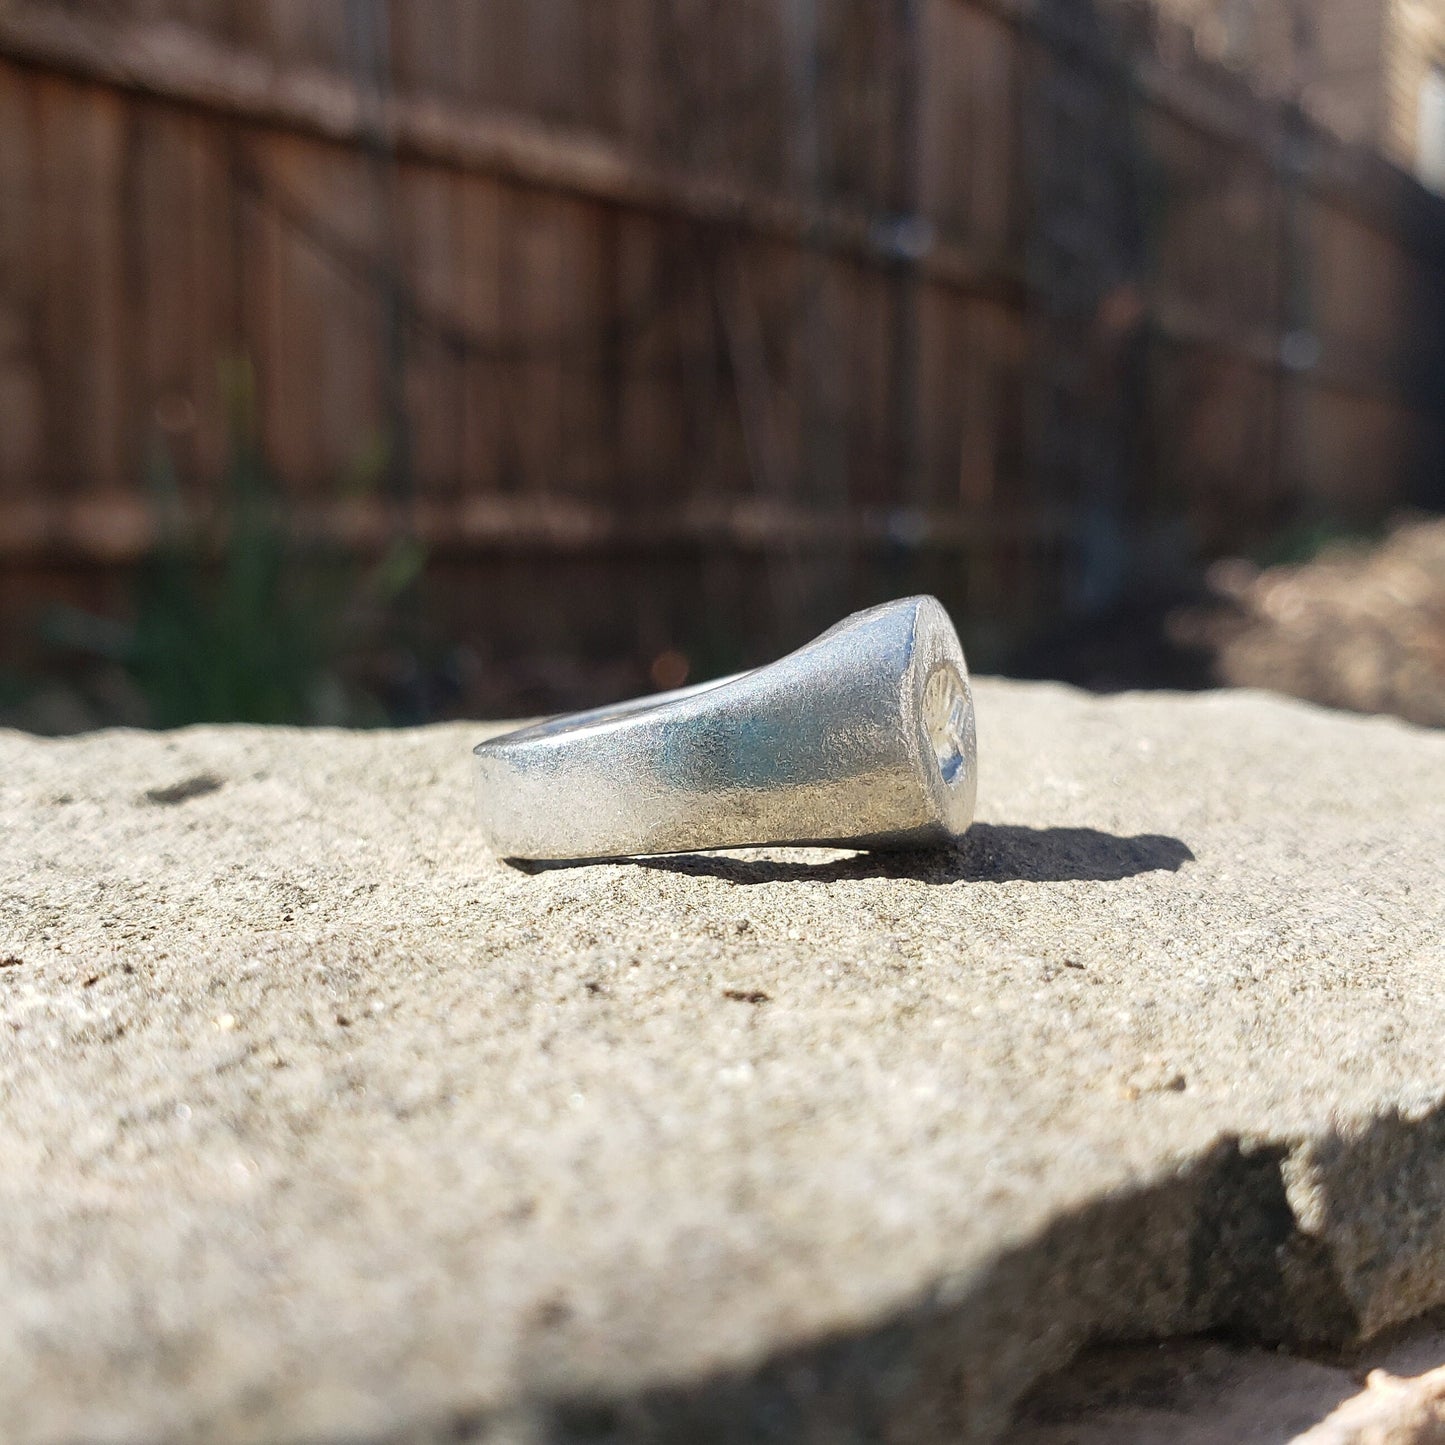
{"x":864,"y":737}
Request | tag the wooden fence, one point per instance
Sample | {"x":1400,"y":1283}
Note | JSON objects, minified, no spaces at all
{"x":672,"y":323}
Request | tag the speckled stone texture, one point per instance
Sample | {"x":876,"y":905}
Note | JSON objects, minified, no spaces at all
{"x":317,"y":1123}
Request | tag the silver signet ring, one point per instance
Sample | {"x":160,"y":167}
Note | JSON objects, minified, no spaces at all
{"x":864,"y":737}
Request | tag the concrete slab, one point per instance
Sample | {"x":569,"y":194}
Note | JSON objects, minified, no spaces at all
{"x":318,"y":1123}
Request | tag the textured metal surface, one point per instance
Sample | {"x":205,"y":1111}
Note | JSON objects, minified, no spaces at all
{"x":864,"y":736}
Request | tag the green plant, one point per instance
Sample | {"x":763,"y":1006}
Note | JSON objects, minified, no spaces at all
{"x":240,"y":617}
{"x":1303,"y":540}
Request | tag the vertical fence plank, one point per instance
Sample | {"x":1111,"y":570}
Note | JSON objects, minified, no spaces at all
{"x":486,"y":438}
{"x":429,"y":220}
{"x":211,"y":223}
{"x":22,"y":377}
{"x":82,"y":283}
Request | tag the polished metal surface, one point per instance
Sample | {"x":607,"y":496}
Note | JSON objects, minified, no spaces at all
{"x":864,"y":737}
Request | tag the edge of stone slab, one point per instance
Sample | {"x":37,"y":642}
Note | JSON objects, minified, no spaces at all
{"x":1315,"y":1244}
{"x":989,"y":682}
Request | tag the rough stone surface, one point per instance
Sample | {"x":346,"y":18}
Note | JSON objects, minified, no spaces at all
{"x":317,"y":1123}
{"x":1203,"y":1392}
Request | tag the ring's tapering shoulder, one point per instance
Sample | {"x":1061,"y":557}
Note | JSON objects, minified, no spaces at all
{"x":865,"y":736}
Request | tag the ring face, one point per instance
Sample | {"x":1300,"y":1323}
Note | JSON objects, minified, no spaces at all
{"x":863,"y":737}
{"x":946,"y":712}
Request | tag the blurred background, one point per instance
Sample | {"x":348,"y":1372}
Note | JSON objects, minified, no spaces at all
{"x":375,"y":361}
